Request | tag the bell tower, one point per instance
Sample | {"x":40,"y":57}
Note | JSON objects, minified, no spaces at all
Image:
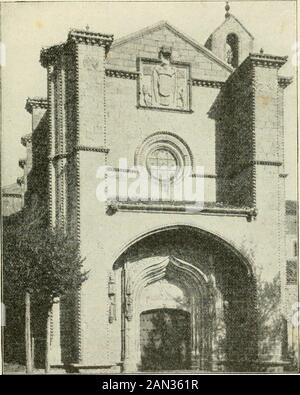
{"x":231,"y":41}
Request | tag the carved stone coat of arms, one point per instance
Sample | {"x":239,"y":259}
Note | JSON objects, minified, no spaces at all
{"x":164,"y":84}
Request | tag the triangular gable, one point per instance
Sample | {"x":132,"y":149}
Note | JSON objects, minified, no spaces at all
{"x":164,"y":24}
{"x":236,"y":20}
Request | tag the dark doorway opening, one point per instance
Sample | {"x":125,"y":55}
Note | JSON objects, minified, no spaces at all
{"x":233,"y":50}
{"x":165,"y":336}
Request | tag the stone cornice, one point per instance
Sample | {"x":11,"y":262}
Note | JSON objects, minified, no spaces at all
{"x":266,"y":163}
{"x":181,"y":207}
{"x":50,"y":54}
{"x":264,"y":60}
{"x":91,"y":38}
{"x":207,"y":175}
{"x":64,"y":155}
{"x":35,"y":102}
{"x":207,"y":83}
{"x":92,"y":149}
{"x":26,"y":139}
{"x":284,"y":81}
{"x":131,"y":75}
{"x":15,"y":195}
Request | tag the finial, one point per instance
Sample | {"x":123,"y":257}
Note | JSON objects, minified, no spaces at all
{"x":261,"y":51}
{"x":87,"y":28}
{"x":227,"y":8}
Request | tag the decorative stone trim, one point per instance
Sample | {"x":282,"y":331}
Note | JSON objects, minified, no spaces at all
{"x":49,"y":55}
{"x":165,"y":109}
{"x":20,"y":180}
{"x":266,"y":163}
{"x":181,"y":208}
{"x":269,"y":61}
{"x":35,"y":102}
{"x":90,"y":38}
{"x":112,"y":297}
{"x":118,"y":170}
{"x":22,"y":163}
{"x":50,"y":93}
{"x":207,"y":83}
{"x":93,"y":149}
{"x":204,"y":175}
{"x":15,"y":195}
{"x":283,"y":82}
{"x":27,"y":139}
{"x":77,"y":149}
{"x":131,"y":75}
{"x":253,"y":136}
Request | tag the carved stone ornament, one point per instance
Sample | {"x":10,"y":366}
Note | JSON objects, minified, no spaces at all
{"x":112,"y":298}
{"x":128,"y":300}
{"x":163,"y":83}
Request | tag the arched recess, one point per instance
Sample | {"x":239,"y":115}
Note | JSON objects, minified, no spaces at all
{"x":244,"y":258}
{"x":196,"y":286}
{"x":232,"y":49}
{"x":216,"y":279}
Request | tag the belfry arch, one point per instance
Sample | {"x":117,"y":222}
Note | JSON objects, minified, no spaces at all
{"x":190,"y":271}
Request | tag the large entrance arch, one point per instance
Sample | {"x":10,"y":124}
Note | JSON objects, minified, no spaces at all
{"x":192,"y":273}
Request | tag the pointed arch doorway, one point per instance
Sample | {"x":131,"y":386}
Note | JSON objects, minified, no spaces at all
{"x":165,"y":297}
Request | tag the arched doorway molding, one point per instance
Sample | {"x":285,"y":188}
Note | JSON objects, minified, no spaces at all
{"x":137,"y":275}
{"x":195,"y":284}
{"x":232,"y":246}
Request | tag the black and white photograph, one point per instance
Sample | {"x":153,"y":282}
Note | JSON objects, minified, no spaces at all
{"x":149,"y":188}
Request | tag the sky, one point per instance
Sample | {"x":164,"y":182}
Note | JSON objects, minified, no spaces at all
{"x":27,"y":27}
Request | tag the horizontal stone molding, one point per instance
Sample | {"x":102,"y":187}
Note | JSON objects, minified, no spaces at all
{"x":204,"y":175}
{"x":91,"y":38}
{"x":14,"y":195}
{"x":77,"y":149}
{"x":284,"y":81}
{"x":180,"y":208}
{"x":36,"y":102}
{"x":130,"y":75}
{"x":267,"y":163}
{"x":49,"y":55}
{"x":165,"y":109}
{"x":268,"y":61}
{"x":207,"y":83}
{"x":133,"y":75}
{"x":91,"y":149}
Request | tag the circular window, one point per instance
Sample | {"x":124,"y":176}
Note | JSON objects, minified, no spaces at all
{"x":162,"y":164}
{"x":165,"y":156}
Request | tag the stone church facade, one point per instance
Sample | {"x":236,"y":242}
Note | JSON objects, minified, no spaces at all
{"x":157,"y":96}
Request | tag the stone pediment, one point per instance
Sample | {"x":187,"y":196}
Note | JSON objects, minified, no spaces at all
{"x":147,"y":42}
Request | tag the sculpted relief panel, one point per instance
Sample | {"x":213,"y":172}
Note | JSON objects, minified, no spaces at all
{"x":164,"y":84}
